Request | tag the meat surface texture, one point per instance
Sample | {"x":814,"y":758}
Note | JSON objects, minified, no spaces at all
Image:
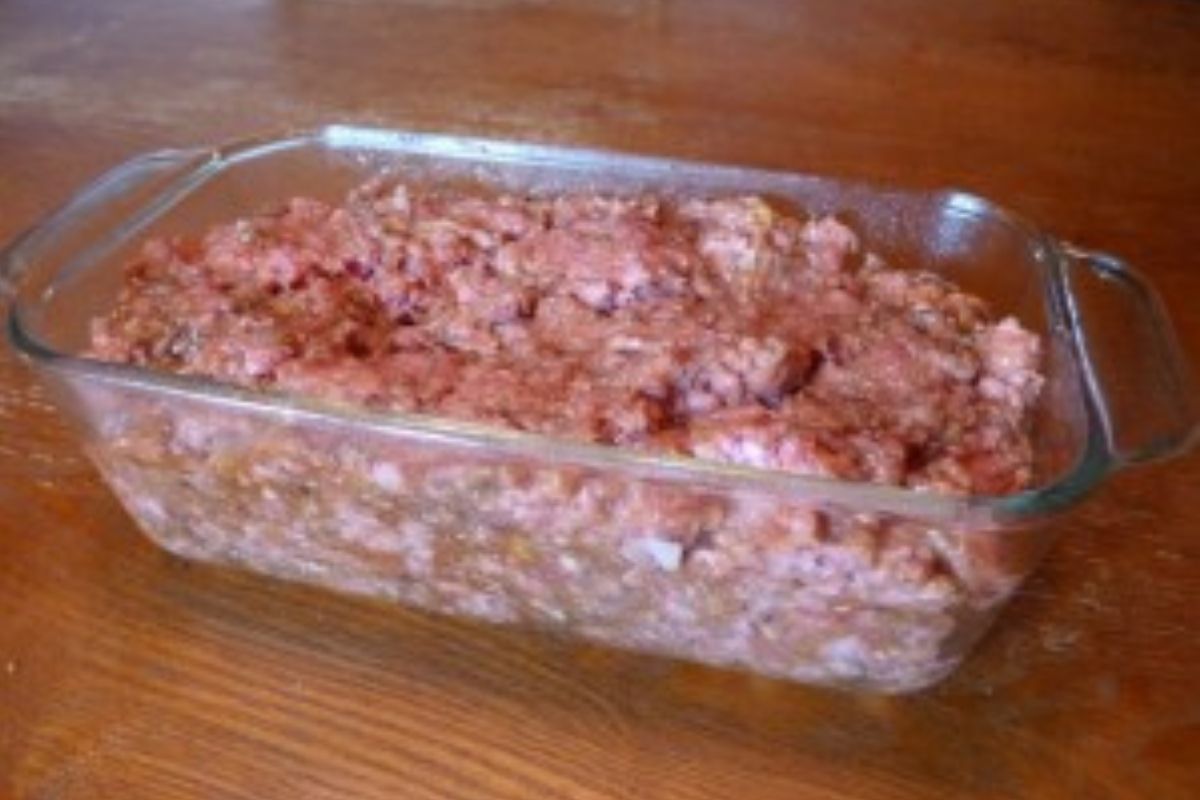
{"x":716,"y":328}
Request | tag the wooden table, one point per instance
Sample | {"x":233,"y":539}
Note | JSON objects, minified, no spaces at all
{"x":127,"y":674}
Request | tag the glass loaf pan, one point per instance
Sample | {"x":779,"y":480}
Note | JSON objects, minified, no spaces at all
{"x":855,"y":585}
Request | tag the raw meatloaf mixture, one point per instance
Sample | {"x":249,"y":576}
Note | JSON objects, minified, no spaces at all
{"x":720,"y":329}
{"x":724,"y":329}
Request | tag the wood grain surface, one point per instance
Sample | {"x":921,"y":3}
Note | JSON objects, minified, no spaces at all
{"x":125,"y":673}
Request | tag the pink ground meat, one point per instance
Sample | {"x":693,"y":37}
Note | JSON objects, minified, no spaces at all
{"x":723,"y":329}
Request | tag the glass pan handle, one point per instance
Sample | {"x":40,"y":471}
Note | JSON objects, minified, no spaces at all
{"x":1139,"y":376}
{"x":101,"y":204}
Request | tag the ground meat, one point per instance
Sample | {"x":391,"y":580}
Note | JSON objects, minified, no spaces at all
{"x":717,"y":328}
{"x":720,"y":329}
